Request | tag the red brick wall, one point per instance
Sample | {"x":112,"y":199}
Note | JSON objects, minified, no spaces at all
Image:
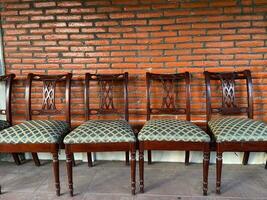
{"x":111,"y":36}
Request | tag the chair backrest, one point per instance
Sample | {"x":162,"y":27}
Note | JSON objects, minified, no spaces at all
{"x":228,"y":87}
{"x":49,"y":84}
{"x":106,"y":84}
{"x":168,"y":84}
{"x":8,"y":79}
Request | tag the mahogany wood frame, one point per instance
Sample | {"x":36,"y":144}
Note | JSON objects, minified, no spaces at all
{"x":231,"y":109}
{"x":52,"y":148}
{"x":9,"y":82}
{"x":172,"y":110}
{"x":106,"y":107}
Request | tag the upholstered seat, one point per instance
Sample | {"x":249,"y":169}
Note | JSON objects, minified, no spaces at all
{"x":4,"y":124}
{"x":35,"y":131}
{"x":101,"y":131}
{"x":172,"y":130}
{"x":229,"y":129}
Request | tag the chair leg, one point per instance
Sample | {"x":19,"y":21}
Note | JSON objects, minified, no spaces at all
{"x":16,"y":158}
{"x":133,"y":169}
{"x":141,"y":167}
{"x":127,"y":162}
{"x":266,"y":165}
{"x":218,"y":172}
{"x":89,"y":159}
{"x":56,"y":172}
{"x":149,"y":157}
{"x":36,"y":159}
{"x":69,"y":170}
{"x":245,"y":158}
{"x":187,"y":155}
{"x":206,"y":162}
{"x":73,"y":160}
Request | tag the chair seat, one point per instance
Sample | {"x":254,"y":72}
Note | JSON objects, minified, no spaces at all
{"x":229,"y":129}
{"x":4,"y":124}
{"x":172,"y":130}
{"x":101,"y":131}
{"x":35,"y":131}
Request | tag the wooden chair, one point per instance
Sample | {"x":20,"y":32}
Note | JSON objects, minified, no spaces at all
{"x":171,"y":134}
{"x":8,"y":79}
{"x":232,"y":133}
{"x":41,"y":135}
{"x":102,"y":135}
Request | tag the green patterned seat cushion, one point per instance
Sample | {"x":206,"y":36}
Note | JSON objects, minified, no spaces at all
{"x":101,"y":131}
{"x":229,"y":129}
{"x":172,"y":130}
{"x":35,"y":131}
{"x":4,"y":124}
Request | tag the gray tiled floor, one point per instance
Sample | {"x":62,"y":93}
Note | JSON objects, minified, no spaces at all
{"x":111,"y":181}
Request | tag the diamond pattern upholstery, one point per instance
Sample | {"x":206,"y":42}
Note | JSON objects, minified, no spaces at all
{"x":172,"y":130}
{"x":229,"y":129}
{"x":35,"y":131}
{"x":101,"y":131}
{"x":4,"y":124}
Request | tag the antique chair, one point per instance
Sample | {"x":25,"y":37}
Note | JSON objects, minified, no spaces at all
{"x":41,"y":135}
{"x":103,"y":135}
{"x":233,"y":133}
{"x":171,"y":134}
{"x":8,"y":79}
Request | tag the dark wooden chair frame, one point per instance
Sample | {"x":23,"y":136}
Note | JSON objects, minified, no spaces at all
{"x":48,"y":108}
{"x":9,"y":82}
{"x":171,"y":109}
{"x":229,"y":107}
{"x":106,"y":107}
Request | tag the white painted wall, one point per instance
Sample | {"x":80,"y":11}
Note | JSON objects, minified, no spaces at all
{"x":168,"y":156}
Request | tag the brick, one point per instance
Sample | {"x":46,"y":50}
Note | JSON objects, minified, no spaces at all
{"x":236,"y":37}
{"x":56,"y":11}
{"x":194,"y":5}
{"x":85,"y":48}
{"x":30,"y":12}
{"x":16,"y":18}
{"x":82,"y":10}
{"x":120,"y":29}
{"x":121,"y":15}
{"x":56,"y":36}
{"x":106,"y":23}
{"x":161,"y":21}
{"x":69,"y":3}
{"x":178,"y":39}
{"x":42,"y":18}
{"x":66,"y":30}
{"x":149,"y":15}
{"x":235,"y":24}
{"x":95,"y":16}
{"x":250,"y":43}
{"x":219,"y":44}
{"x":44,"y":4}
{"x":134,"y":22}
{"x":69,"y":17}
{"x":164,"y":34}
{"x":81,"y":36}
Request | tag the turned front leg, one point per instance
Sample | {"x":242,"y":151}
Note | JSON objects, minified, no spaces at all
{"x":69,"y":171}
{"x":206,"y":161}
{"x":56,"y":173}
{"x":218,"y":172}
